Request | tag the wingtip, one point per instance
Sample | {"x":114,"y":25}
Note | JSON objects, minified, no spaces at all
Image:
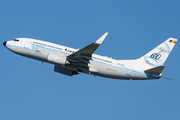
{"x":101,"y":39}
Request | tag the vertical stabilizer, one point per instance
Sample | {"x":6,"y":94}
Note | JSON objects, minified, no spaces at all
{"x":158,"y":55}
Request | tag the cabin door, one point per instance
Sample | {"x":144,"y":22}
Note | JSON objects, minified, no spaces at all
{"x":27,"y":44}
{"x":129,"y":71}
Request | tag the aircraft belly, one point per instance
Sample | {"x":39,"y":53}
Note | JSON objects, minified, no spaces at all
{"x":117,"y":73}
{"x":28,"y":53}
{"x":41,"y":57}
{"x":109,"y":72}
{"x":18,"y":50}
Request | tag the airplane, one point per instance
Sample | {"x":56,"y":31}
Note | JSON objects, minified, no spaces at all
{"x":69,"y":61}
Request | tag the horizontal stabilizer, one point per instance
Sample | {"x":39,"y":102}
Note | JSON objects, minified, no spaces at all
{"x":166,"y":78}
{"x":155,"y":70}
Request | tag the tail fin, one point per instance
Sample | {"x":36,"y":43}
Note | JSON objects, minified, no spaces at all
{"x":158,"y":55}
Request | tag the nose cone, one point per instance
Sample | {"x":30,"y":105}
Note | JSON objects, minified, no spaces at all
{"x":4,"y":43}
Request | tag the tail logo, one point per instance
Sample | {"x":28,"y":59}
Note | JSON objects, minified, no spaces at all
{"x":155,"y":58}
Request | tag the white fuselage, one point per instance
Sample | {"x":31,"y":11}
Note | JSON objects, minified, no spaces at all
{"x":97,"y":65}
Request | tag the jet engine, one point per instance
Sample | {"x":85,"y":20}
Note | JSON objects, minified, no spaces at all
{"x":64,"y":71}
{"x":57,"y":59}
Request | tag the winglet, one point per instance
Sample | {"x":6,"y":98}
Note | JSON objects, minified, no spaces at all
{"x":101,"y":39}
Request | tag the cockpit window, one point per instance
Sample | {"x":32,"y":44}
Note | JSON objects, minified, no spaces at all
{"x":16,"y":40}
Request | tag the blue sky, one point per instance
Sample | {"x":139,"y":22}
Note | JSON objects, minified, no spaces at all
{"x":30,"y":90}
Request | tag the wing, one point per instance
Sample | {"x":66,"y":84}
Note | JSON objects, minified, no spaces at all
{"x":85,"y":54}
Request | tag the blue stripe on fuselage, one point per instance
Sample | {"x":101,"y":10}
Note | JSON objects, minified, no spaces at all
{"x":62,"y":52}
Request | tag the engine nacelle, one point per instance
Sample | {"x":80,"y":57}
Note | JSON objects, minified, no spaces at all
{"x":57,"y":59}
{"x":64,"y":71}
